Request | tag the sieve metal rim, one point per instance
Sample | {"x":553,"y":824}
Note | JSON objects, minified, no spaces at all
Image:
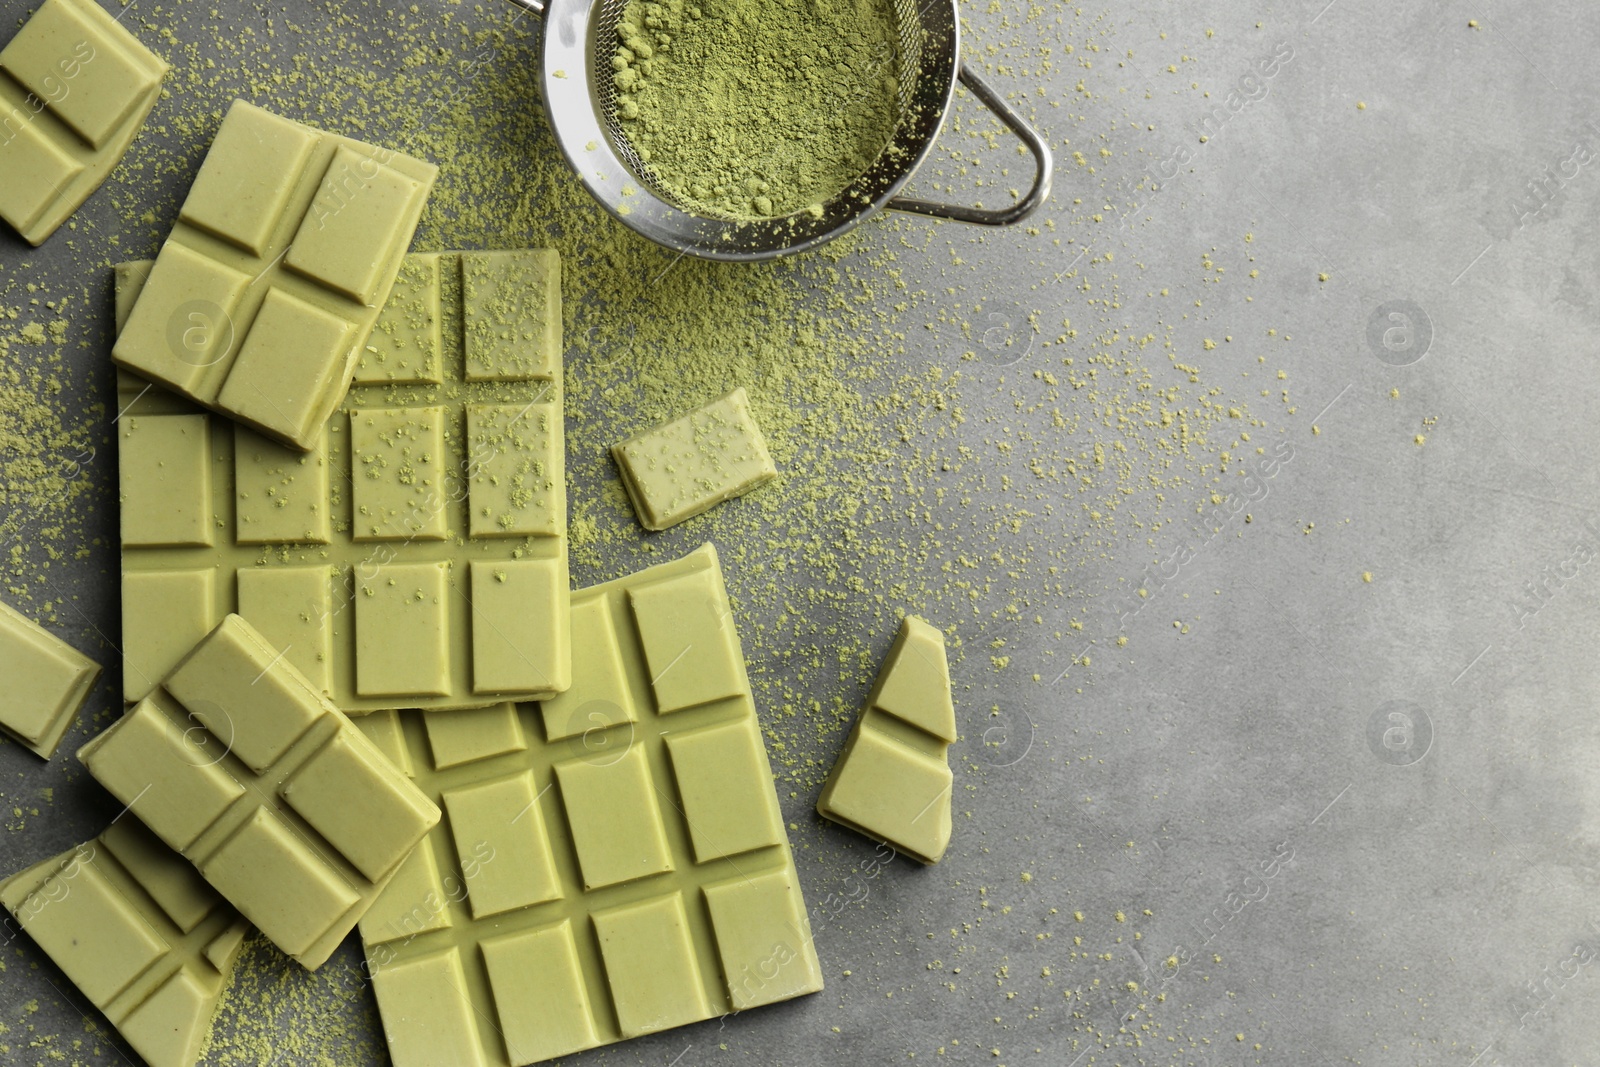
{"x":570,"y":50}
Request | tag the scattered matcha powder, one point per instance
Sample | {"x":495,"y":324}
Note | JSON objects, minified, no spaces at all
{"x":870,"y":366}
{"x":50,"y":434}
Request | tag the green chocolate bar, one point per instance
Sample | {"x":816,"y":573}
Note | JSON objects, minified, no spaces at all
{"x":687,"y":466}
{"x":892,"y":781}
{"x":417,"y":557}
{"x":75,"y":87}
{"x":46,"y":681}
{"x":284,"y":253}
{"x":238,"y":763}
{"x":138,"y":932}
{"x":610,"y":863}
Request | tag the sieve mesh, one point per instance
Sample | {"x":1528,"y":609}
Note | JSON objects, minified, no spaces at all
{"x":909,"y":31}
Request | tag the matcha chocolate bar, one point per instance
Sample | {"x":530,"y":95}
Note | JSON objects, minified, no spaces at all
{"x":892,"y":782}
{"x":140,"y":934}
{"x":610,"y":863}
{"x":75,"y":87}
{"x":46,"y":681}
{"x":240,"y":765}
{"x":687,"y":466}
{"x":417,"y":556}
{"x":266,"y":290}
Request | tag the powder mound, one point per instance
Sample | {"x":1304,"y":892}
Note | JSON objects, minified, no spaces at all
{"x":754,"y":109}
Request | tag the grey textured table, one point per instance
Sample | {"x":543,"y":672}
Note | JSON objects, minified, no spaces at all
{"x":1327,"y":803}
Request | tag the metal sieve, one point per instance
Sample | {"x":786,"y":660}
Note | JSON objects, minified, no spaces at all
{"x":580,"y":98}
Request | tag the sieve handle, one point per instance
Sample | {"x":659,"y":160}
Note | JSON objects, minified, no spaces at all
{"x":533,"y":7}
{"x":1044,"y":168}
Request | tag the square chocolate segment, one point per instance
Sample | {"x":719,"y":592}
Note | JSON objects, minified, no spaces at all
{"x":75,"y":87}
{"x":282,"y":258}
{"x":238,"y":763}
{"x":46,"y":682}
{"x":140,"y":934}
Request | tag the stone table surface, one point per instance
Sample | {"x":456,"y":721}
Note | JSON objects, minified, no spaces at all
{"x":1282,"y":758}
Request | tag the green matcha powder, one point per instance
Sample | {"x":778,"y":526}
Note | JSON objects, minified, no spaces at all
{"x":753,"y":109}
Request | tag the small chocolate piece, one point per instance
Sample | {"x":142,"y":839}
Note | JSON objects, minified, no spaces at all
{"x":46,"y":682}
{"x":687,"y":466}
{"x":892,"y":782}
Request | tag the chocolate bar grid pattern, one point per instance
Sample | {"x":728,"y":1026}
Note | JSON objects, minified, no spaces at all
{"x":284,"y":252}
{"x":75,"y":87}
{"x":342,"y":568}
{"x":163,"y":941}
{"x":528,"y":925}
{"x":279,"y":801}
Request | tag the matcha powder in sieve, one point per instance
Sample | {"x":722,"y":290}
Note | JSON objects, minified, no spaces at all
{"x":753,"y":109}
